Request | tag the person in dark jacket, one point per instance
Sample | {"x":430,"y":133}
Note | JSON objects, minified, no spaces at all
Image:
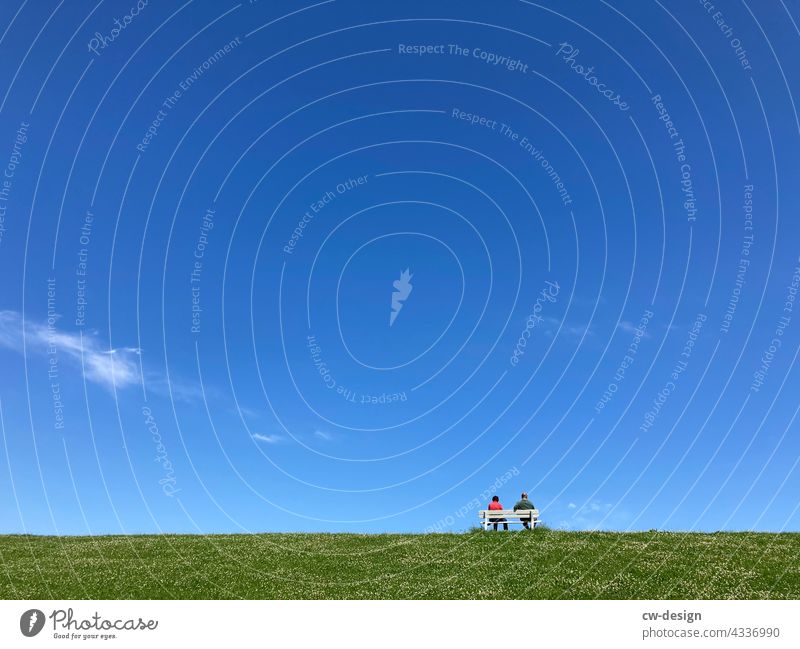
{"x":522,"y":504}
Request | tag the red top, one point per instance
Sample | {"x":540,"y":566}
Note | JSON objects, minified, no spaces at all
{"x":495,"y":505}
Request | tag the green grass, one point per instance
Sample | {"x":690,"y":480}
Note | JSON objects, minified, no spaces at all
{"x":542,"y":564}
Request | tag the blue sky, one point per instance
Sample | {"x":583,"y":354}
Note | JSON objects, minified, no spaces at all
{"x":208,"y":207}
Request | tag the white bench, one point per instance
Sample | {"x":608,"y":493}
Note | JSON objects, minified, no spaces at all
{"x":530,"y":516}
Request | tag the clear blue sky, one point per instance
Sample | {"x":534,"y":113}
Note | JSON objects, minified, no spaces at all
{"x":207,"y":208}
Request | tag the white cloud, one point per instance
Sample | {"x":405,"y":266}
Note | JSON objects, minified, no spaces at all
{"x":247,"y":412}
{"x":177,"y":390}
{"x":10,"y":329}
{"x":107,"y":367}
{"x":269,"y":439}
{"x":578,"y":331}
{"x":321,"y":434}
{"x":595,"y":515}
{"x":632,"y":328}
{"x":568,"y":330}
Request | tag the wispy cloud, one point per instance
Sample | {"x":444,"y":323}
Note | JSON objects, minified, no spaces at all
{"x":252,"y":413}
{"x":112,"y":367}
{"x":177,"y":390}
{"x":578,"y":331}
{"x":268,"y":439}
{"x":566,"y":329}
{"x":321,"y":434}
{"x":592,"y":515}
{"x":632,"y":328}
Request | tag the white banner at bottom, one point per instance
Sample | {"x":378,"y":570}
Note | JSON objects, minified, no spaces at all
{"x":153,"y":624}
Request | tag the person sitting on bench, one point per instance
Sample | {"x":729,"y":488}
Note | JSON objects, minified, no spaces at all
{"x":495,"y":504}
{"x":523,"y":504}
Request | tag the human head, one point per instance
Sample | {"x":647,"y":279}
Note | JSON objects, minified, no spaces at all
{"x":495,"y":499}
{"x":524,"y":496}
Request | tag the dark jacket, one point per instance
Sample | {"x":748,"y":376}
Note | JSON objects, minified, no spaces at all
{"x":524,"y":504}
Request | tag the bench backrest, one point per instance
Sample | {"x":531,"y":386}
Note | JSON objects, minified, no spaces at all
{"x":505,"y":513}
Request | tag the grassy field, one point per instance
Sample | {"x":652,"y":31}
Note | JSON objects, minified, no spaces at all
{"x":542,"y":564}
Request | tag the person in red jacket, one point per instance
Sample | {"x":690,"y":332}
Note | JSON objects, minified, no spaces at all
{"x":495,"y":504}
